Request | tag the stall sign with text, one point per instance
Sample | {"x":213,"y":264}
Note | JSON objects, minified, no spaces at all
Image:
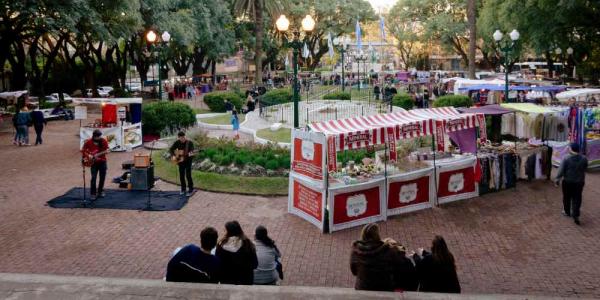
{"x":482,"y":128}
{"x":360,"y":137}
{"x":456,"y":182}
{"x":404,"y":193}
{"x":356,"y":205}
{"x":308,"y":158}
{"x":331,"y":154}
{"x":308,"y":201}
{"x":392,"y":144}
{"x":439,"y":134}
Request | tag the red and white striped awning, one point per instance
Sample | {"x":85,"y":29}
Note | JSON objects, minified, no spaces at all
{"x":351,"y":133}
{"x":405,"y":125}
{"x":450,"y":117}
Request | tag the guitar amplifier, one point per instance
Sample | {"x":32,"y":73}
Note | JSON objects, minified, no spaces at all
{"x":142,"y":179}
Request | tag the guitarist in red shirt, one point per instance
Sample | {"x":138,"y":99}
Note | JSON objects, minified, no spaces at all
{"x":94,"y":155}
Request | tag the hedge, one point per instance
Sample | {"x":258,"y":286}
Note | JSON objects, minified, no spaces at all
{"x":403,"y":100}
{"x":276,"y":96}
{"x":165,"y":115}
{"x":454,"y":101}
{"x":216,"y":100}
{"x":337,"y":96}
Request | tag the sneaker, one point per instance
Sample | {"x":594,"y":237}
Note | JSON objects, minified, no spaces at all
{"x":564,"y":213}
{"x":182,"y":193}
{"x":577,"y":221}
{"x":101,"y":195}
{"x":189,"y":194}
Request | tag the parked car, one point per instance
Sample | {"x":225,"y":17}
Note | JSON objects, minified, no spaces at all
{"x":134,"y":87}
{"x":54,"y":98}
{"x":102,"y":91}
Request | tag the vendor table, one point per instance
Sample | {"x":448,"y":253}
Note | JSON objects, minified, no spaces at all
{"x":456,"y":178}
{"x":358,"y":204}
{"x":410,"y":191}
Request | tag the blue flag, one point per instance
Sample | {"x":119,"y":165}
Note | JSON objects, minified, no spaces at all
{"x":358,"y":36}
{"x":382,"y":27}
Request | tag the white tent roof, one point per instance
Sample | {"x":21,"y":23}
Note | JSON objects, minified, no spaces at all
{"x":100,"y":101}
{"x":577,"y":94}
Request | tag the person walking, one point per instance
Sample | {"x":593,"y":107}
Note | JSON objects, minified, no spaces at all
{"x":572,"y":173}
{"x":196,"y":264}
{"x":22,"y":122}
{"x":97,"y":148}
{"x":39,"y":121}
{"x":436,"y":270}
{"x":268,"y":255}
{"x":235,"y":123}
{"x":238,"y":256}
{"x":182,"y":152}
{"x":380,"y":265}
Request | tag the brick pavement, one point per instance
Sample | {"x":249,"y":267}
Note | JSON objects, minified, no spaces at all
{"x":512,"y":242}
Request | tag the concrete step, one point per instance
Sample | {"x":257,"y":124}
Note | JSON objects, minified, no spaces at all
{"x":53,"y":287}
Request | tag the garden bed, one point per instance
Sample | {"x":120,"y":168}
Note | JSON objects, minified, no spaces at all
{"x":222,"y":119}
{"x":281,"y":135}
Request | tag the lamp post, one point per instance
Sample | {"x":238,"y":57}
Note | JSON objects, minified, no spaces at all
{"x":507,"y":48}
{"x":152,"y":39}
{"x":569,"y":57}
{"x":283,"y":24}
{"x":360,"y":56}
{"x":342,"y":47}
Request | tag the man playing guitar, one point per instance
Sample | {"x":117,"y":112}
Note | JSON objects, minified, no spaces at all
{"x":182,"y":152}
{"x":94,"y":155}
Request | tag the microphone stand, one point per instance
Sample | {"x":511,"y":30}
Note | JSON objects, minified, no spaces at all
{"x":151,"y":165}
{"x":84,"y":204}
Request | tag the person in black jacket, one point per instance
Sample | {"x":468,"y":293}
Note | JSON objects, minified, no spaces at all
{"x":381,"y":265}
{"x":238,"y":256}
{"x":194,"y":264}
{"x":436,"y":270}
{"x":37,"y":116}
{"x":572,"y":173}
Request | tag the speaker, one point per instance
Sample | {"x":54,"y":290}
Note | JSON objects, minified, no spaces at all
{"x":142,"y":179}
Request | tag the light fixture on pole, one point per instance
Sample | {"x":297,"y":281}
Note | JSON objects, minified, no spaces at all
{"x":507,"y":48}
{"x":341,"y":45}
{"x":151,"y":37}
{"x":360,"y":56}
{"x":283,"y":25}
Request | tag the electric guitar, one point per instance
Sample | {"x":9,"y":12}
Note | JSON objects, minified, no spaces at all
{"x":88,"y":158}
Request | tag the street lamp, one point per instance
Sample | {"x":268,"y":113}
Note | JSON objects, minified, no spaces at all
{"x":506,"y":48}
{"x":152,"y":39}
{"x":360,"y":56}
{"x":283,"y":25}
{"x":342,"y":46}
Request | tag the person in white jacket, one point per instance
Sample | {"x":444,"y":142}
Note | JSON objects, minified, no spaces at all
{"x":268,"y":258}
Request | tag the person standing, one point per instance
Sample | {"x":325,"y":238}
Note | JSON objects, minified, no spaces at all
{"x":572,"y":173}
{"x":38,"y":124}
{"x":380,"y":265}
{"x":238,"y":256}
{"x":268,"y":258}
{"x":436,"y":270}
{"x":235,"y":123}
{"x":182,"y":152}
{"x":22,"y":122}
{"x":196,"y":264}
{"x":97,"y":148}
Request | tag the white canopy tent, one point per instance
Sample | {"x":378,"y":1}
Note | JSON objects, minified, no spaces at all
{"x":578,"y":94}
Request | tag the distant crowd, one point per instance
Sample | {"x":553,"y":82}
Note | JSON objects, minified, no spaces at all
{"x":378,"y":264}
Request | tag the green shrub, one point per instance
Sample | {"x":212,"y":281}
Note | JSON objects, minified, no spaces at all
{"x":272,"y":165}
{"x":276,"y":96}
{"x":164,"y":115}
{"x":403,"y":100}
{"x":261,"y":161}
{"x":216,"y":100}
{"x":284,"y":162}
{"x":453,"y":100}
{"x":337,"y":96}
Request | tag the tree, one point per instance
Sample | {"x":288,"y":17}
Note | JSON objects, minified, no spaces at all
{"x":472,"y":20}
{"x":407,"y":32}
{"x":255,"y":10}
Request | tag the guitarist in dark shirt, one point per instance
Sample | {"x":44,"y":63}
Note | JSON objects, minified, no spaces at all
{"x":182,"y":152}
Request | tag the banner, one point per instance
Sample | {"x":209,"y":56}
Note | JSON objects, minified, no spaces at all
{"x":351,"y":206}
{"x":482,"y":128}
{"x":439,"y":135}
{"x":456,"y":181}
{"x":410,"y":191}
{"x":306,"y":201}
{"x":331,"y":154}
{"x":391,"y":138}
{"x":308,"y":155}
{"x":80,"y":112}
{"x":132,"y":135}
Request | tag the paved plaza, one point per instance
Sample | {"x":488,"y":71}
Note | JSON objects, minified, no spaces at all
{"x":512,"y":242}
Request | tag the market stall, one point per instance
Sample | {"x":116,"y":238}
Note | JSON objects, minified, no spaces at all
{"x":120,"y":122}
{"x":580,"y":95}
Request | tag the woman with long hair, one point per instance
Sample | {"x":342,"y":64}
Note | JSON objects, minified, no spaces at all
{"x":437,"y":270}
{"x":268,"y":255}
{"x":380,"y":265}
{"x":237,"y":254}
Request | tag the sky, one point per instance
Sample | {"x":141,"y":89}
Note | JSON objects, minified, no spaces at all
{"x":377,"y":4}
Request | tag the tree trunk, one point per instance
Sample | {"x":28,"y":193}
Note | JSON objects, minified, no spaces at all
{"x":259,"y":32}
{"x":17,"y":63}
{"x":472,"y":19}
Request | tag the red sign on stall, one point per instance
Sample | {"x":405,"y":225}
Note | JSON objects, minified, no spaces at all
{"x":308,"y":158}
{"x":308,"y":201}
{"x":404,"y":193}
{"x":456,"y":182}
{"x":391,"y":138}
{"x":482,"y":128}
{"x":331,"y":154}
{"x":439,"y":134}
{"x":356,"y":205}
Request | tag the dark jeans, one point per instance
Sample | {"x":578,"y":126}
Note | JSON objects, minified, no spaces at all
{"x":38,"y":133}
{"x":572,"y":197}
{"x":98,"y":167}
{"x":185,"y":172}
